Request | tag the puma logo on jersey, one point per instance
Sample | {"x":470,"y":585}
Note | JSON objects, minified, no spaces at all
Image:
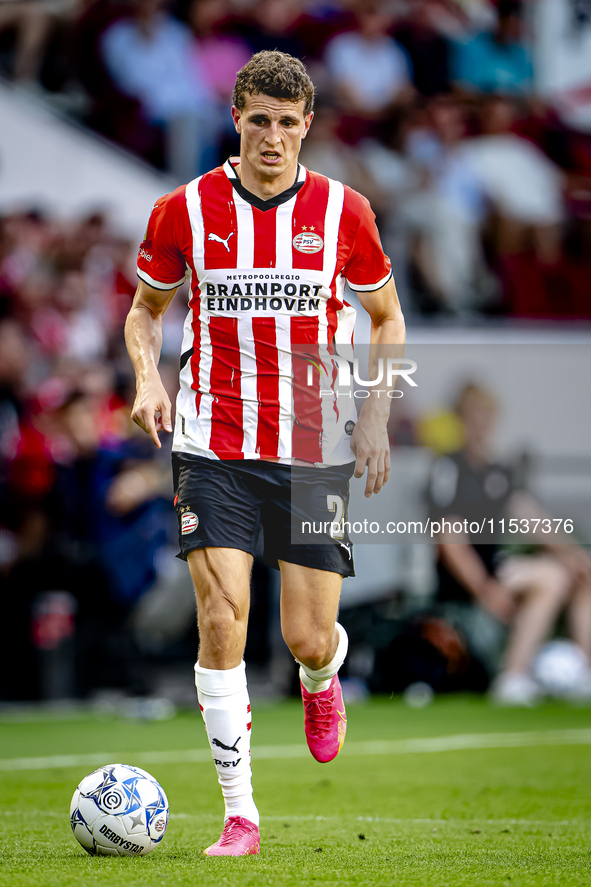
{"x":221,"y":239}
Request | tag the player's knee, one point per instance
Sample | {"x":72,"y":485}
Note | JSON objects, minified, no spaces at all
{"x":312,"y":649}
{"x":221,"y":613}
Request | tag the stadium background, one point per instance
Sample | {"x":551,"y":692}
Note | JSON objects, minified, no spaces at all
{"x":466,"y":124}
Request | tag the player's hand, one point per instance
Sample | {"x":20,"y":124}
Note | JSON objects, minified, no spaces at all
{"x":498,"y":600}
{"x":152,"y":409}
{"x":371,"y":447}
{"x":577,"y":562}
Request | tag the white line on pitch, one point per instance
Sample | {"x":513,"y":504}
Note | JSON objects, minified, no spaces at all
{"x":379,"y":820}
{"x":427,"y":745}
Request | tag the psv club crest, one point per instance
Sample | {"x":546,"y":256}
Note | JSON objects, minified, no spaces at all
{"x":308,"y":242}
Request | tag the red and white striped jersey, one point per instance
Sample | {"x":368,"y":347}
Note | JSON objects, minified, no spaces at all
{"x":267,"y":283}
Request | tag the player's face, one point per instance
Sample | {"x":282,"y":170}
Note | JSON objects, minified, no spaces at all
{"x":271,"y":132}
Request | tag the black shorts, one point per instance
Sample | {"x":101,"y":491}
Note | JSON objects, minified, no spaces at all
{"x":225,"y":503}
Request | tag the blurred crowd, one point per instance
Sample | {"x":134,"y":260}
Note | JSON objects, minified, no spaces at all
{"x":482,"y":191}
{"x":84,"y":496}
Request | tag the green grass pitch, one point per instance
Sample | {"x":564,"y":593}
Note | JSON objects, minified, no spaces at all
{"x":512,"y":808}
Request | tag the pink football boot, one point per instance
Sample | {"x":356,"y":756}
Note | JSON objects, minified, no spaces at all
{"x":325,"y":721}
{"x":240,"y":837}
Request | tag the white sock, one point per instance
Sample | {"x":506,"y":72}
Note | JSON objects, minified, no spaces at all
{"x":225,"y":706}
{"x":318,"y":681}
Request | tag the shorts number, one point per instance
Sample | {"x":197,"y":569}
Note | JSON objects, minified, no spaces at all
{"x":336,"y":505}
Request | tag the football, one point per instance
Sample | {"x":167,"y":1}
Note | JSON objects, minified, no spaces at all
{"x":562,"y":669}
{"x":119,"y":810}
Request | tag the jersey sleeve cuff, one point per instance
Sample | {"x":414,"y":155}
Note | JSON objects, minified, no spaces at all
{"x":158,"y":284}
{"x":370,"y":287}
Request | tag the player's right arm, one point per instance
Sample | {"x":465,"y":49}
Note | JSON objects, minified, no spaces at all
{"x":143,"y":337}
{"x":161,"y":270}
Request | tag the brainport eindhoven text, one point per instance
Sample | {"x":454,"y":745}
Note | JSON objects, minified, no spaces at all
{"x":259,"y":296}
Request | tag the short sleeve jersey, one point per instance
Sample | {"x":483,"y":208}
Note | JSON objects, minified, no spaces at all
{"x":267,"y":282}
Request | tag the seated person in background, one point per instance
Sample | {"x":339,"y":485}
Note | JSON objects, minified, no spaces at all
{"x":526,"y":593}
{"x":370,"y":72}
{"x":523,"y":186}
{"x":496,"y":61}
{"x":444,"y":217}
{"x":154,"y":58}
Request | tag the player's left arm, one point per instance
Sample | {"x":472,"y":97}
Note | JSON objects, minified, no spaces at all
{"x":369,"y":440}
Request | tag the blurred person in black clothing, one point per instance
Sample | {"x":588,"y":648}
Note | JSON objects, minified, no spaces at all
{"x":427,"y":48}
{"x":525,"y":592}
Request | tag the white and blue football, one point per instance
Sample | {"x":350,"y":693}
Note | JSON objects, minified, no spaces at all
{"x":119,"y":810}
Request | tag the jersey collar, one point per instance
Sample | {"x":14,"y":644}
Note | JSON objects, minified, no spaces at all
{"x":257,"y":202}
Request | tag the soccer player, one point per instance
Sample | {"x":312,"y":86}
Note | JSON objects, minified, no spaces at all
{"x":268,"y":246}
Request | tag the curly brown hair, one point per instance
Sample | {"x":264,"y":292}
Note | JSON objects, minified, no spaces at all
{"x":276,"y":74}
